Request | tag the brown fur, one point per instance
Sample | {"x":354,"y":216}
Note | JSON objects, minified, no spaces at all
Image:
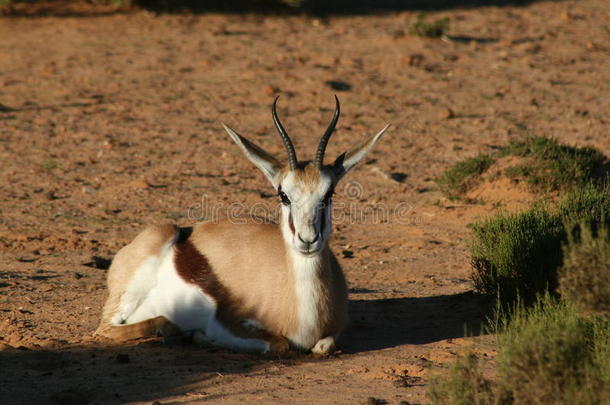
{"x":246,"y":267}
{"x":250,"y":259}
{"x":243,"y":267}
{"x":309,"y":176}
{"x":194,"y":268}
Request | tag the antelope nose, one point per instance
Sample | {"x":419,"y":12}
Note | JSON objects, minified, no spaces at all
{"x":308,"y":242}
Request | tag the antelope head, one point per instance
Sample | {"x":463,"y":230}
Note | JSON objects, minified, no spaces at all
{"x":305,"y":188}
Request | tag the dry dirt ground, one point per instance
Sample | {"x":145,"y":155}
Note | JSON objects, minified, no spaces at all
{"x":109,"y":123}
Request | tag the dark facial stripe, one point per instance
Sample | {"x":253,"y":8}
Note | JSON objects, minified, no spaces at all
{"x":323,"y":219}
{"x":290,"y":222}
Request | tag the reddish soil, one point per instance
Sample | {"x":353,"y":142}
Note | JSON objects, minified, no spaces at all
{"x":109,"y":123}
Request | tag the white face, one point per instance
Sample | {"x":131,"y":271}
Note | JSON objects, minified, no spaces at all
{"x":306,"y":191}
{"x":306,"y":197}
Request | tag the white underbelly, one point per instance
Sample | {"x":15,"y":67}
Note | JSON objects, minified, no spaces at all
{"x":158,"y":290}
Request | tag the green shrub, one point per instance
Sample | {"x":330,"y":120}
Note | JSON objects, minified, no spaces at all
{"x":463,"y":175}
{"x":517,"y":254}
{"x":601,"y":349}
{"x":554,"y":166}
{"x":589,"y":204}
{"x":584,"y":278}
{"x":550,"y":166}
{"x":520,"y":254}
{"x":547,"y":354}
{"x":435,"y":29}
{"x":464,"y":384}
{"x":513,"y":172}
{"x":117,"y":3}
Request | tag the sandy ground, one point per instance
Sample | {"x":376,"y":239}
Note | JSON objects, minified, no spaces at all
{"x":110,"y":123}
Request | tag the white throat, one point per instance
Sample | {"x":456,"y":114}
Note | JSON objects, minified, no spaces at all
{"x":307,"y":271}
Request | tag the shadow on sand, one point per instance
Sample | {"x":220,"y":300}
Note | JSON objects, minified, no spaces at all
{"x":116,"y":375}
{"x":385,"y":323}
{"x":150,"y":369}
{"x":319,"y":7}
{"x":58,"y":8}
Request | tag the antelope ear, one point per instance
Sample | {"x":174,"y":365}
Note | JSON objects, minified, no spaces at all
{"x":347,"y":160}
{"x":269,"y":165}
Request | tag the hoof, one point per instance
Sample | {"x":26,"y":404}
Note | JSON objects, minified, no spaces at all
{"x":325,"y":346}
{"x":200,"y":338}
{"x":279,"y":345}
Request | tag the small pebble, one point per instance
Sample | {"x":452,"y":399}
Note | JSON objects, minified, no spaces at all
{"x":445,"y":114}
{"x":348,"y":254}
{"x":398,"y":177}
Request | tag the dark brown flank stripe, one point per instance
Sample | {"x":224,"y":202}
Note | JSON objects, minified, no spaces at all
{"x":195,"y":269}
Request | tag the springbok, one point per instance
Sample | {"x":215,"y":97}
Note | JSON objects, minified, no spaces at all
{"x":248,"y":286}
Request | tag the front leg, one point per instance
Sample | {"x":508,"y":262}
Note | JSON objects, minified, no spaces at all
{"x":252,"y":329}
{"x":277,"y":344}
{"x":325,"y":346}
{"x":246,"y":336}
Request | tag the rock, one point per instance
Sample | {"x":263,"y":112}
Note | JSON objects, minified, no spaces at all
{"x":398,"y":177}
{"x":138,"y":184}
{"x":338,"y":85}
{"x":27,"y":259}
{"x":445,"y":114}
{"x":414,"y":60}
{"x":348,"y":254}
{"x":270,"y":90}
{"x":99,"y":263}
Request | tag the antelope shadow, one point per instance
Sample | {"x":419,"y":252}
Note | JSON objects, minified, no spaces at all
{"x":116,"y":374}
{"x":139,"y":372}
{"x":267,"y":7}
{"x":318,"y":7}
{"x":385,"y":323}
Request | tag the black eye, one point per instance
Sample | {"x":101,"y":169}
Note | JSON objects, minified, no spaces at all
{"x":284,"y":198}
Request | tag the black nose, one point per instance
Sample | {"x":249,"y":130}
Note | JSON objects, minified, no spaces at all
{"x":307,"y":242}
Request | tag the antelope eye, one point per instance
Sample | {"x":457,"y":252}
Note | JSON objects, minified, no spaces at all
{"x":284,"y":198}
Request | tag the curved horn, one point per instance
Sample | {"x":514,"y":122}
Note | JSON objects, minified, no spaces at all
{"x":292,"y":155}
{"x":329,"y":131}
